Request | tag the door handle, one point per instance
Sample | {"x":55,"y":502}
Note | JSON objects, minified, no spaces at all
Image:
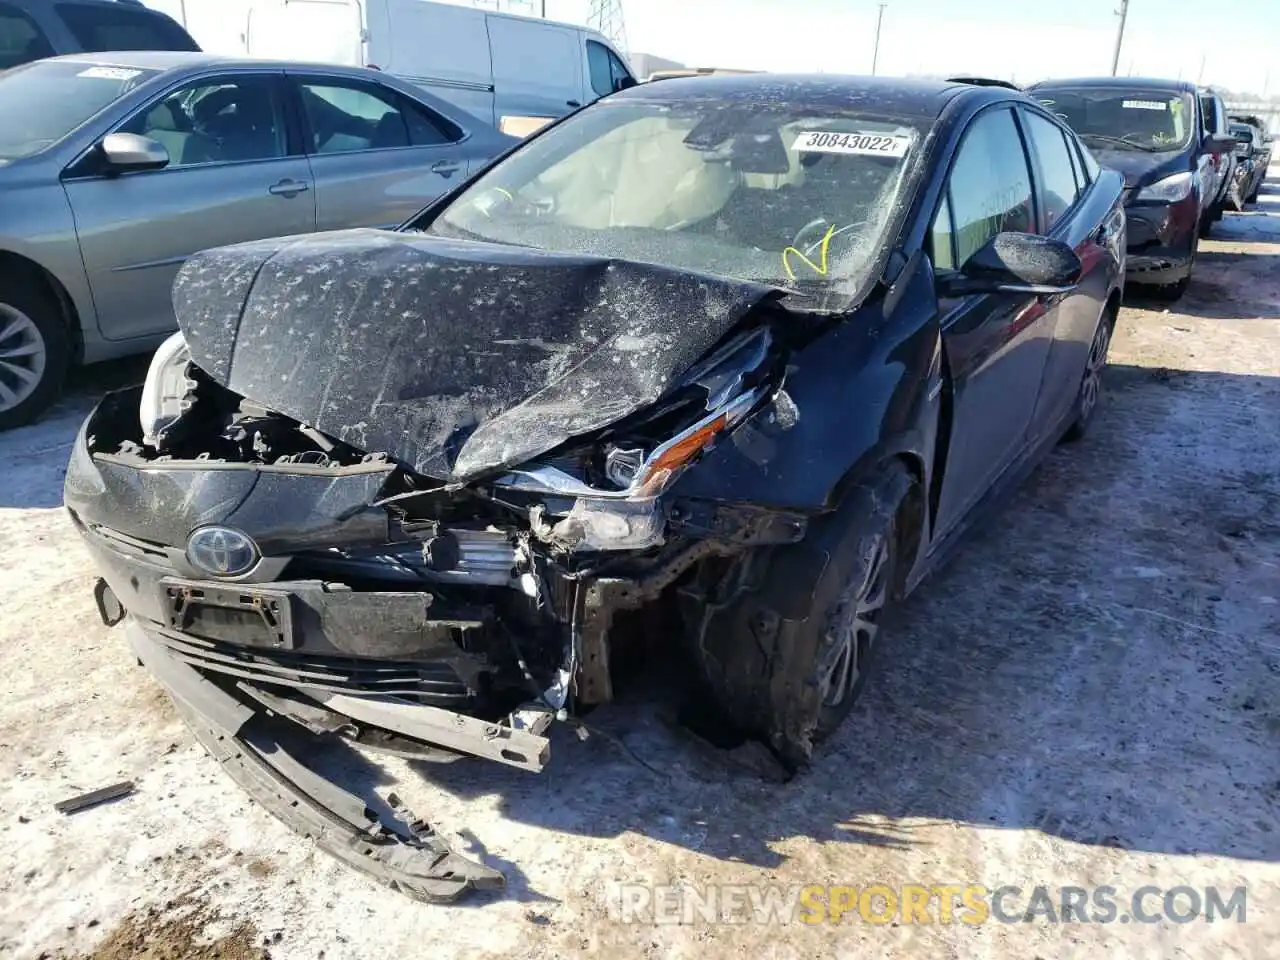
{"x":573,"y":103}
{"x":289,"y":188}
{"x":446,"y":168}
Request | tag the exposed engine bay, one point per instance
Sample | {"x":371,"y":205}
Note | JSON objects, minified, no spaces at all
{"x":434,"y":600}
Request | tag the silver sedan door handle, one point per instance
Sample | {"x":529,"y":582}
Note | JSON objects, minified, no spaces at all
{"x":446,"y":168}
{"x":289,"y":188}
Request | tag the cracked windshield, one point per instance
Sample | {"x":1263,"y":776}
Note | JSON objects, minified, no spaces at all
{"x":750,"y":191}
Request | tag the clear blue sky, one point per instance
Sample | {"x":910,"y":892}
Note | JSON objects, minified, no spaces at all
{"x":1238,"y":41}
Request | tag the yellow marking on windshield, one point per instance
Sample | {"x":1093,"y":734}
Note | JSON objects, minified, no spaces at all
{"x":820,"y":267}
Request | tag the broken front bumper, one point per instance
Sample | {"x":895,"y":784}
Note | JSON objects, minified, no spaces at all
{"x":393,"y":847}
{"x":403,"y":668}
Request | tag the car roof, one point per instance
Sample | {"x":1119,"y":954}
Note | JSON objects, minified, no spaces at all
{"x":183,"y":60}
{"x":1118,"y":83}
{"x":888,"y":96}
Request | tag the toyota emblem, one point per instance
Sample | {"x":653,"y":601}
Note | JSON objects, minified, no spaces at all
{"x":221,"y":551}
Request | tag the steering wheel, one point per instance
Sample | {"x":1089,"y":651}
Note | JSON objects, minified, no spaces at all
{"x":494,"y":199}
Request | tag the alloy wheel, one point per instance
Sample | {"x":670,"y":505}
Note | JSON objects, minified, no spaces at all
{"x":853,"y":625}
{"x":1091,"y":387}
{"x":23,"y":355}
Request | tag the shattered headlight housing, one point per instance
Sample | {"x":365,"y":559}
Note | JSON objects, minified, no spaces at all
{"x":166,"y":394}
{"x":630,"y":516}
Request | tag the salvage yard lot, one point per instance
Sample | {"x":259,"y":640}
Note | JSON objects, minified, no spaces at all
{"x":1088,"y":694}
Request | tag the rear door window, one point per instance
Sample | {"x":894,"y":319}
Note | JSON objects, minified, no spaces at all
{"x":103,"y":27}
{"x":21,"y":40}
{"x":1057,"y":179}
{"x":343,"y":117}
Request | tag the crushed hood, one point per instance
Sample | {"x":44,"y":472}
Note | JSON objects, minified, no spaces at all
{"x":455,"y":357}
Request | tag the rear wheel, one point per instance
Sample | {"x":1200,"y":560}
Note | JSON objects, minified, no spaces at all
{"x":34,"y":350}
{"x":1090,"y":389}
{"x":787,"y":655}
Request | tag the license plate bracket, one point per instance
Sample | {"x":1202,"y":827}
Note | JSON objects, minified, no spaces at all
{"x":250,"y":616}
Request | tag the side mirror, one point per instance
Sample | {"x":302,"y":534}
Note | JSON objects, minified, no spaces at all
{"x":1016,"y":263}
{"x":125,"y":152}
{"x":1219,"y":143}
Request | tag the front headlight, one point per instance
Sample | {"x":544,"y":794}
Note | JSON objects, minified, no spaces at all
{"x":1170,"y":189}
{"x":166,"y":395}
{"x":630,"y":518}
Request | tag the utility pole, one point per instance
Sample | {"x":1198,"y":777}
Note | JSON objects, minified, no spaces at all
{"x":875,"y":51}
{"x":1115,"y":57}
{"x":1200,"y":75}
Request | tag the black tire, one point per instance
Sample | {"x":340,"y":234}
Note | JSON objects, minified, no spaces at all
{"x":1208,"y":219}
{"x":1172,"y":292}
{"x":772,"y":654}
{"x":30,"y":320}
{"x":1090,"y":389}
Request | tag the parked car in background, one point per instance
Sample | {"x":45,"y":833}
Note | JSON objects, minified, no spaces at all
{"x":1256,"y":122}
{"x":115,"y":168}
{"x":1152,"y":131}
{"x":740,"y":356}
{"x":1221,"y":172}
{"x":516,"y":73}
{"x":34,"y":29}
{"x":1251,"y":166}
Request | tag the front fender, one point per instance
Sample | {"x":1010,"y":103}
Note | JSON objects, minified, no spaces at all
{"x":37,"y":227}
{"x":862,"y":392}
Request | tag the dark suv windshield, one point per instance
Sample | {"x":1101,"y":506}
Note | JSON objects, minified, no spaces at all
{"x":98,"y":28}
{"x":43,"y":102}
{"x":1137,"y":119}
{"x":771,"y":192}
{"x":21,"y":41}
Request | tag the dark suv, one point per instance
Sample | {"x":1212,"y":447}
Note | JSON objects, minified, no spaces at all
{"x":1161,"y":135}
{"x":35,"y":29}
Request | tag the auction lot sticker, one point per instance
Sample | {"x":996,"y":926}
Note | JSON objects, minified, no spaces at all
{"x":866,"y":144}
{"x":1144,"y":105}
{"x":108,"y":73}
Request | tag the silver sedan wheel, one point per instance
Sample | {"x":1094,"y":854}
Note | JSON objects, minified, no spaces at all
{"x":853,"y":625}
{"x":23,"y":355}
{"x":1091,"y":387}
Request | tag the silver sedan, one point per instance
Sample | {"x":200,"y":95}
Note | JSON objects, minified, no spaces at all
{"x":116,"y":167}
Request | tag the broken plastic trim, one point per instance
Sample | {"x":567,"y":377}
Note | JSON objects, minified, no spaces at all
{"x":406,"y":855}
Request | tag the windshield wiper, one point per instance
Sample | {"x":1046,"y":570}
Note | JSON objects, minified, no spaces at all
{"x":1120,"y":140}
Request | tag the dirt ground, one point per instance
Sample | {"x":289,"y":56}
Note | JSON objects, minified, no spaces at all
{"x":1089,"y":694}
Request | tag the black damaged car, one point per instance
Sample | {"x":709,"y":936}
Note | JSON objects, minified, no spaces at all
{"x":717,"y":368}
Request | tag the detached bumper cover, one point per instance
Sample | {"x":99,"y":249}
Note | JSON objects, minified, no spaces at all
{"x":405,"y":854}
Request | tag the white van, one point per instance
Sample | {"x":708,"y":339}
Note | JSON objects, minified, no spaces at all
{"x":515,"y":72}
